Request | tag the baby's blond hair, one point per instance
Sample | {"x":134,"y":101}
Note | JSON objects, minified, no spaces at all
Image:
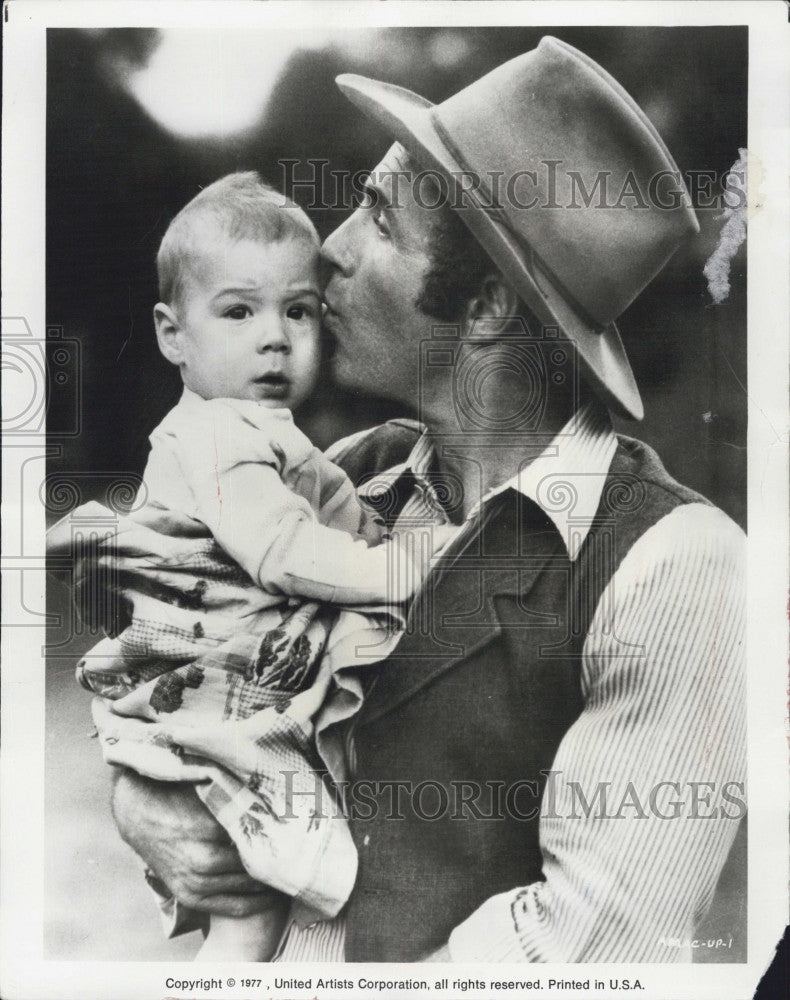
{"x":240,"y":205}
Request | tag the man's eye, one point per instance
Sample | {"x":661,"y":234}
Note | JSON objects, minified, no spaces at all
{"x":371,"y":201}
{"x":238,"y":312}
{"x":380,"y":222}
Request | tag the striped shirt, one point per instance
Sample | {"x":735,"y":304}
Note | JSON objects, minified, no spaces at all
{"x":646,"y":787}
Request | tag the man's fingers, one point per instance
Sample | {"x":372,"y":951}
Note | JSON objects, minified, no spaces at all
{"x":219,"y":885}
{"x":188,"y":884}
{"x":211,"y":859}
{"x":229,"y":905}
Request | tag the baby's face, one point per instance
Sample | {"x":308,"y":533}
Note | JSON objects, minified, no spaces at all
{"x":250,"y":322}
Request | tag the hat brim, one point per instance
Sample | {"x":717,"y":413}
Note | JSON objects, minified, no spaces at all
{"x":406,"y":117}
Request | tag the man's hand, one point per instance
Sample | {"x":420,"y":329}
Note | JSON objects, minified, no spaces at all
{"x":179,"y":839}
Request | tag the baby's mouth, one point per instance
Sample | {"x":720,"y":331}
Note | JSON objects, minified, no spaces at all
{"x":274,"y":385}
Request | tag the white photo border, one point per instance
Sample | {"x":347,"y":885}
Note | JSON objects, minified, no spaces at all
{"x":24,"y":972}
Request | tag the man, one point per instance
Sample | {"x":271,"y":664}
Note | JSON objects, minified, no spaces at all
{"x":553,"y":757}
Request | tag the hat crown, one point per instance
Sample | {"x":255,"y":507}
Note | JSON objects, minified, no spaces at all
{"x":581,"y":175}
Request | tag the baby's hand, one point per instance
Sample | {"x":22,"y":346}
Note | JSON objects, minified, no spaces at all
{"x":425,"y":537}
{"x":372,"y":528}
{"x":423,"y":547}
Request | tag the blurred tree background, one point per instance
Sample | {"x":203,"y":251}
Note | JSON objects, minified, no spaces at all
{"x":138,"y":120}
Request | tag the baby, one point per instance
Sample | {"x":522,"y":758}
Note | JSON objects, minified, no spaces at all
{"x":243,"y":533}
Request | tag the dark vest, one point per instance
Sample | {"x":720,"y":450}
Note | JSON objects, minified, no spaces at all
{"x":469,"y":710}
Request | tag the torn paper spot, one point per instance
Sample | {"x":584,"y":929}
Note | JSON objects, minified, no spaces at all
{"x":733,"y":233}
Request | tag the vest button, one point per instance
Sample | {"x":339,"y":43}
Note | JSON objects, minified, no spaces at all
{"x":366,"y":840}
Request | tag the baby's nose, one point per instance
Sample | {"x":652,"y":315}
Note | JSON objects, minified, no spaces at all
{"x":272,"y":335}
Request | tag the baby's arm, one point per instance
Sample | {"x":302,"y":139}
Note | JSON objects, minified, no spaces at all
{"x":233,"y":468}
{"x":274,"y":534}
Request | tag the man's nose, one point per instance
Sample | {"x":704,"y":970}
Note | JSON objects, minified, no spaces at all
{"x":336,"y":251}
{"x":272,"y":334}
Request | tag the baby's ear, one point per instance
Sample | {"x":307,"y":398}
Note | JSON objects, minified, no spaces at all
{"x":168,"y":333}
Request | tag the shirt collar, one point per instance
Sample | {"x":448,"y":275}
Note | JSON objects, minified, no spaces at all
{"x":565,"y":480}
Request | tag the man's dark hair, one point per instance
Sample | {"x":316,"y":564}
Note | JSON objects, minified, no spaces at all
{"x":459,"y":264}
{"x":458,"y":267}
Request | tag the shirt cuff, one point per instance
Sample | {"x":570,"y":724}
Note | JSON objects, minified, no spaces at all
{"x":176,"y":918}
{"x":489,"y":934}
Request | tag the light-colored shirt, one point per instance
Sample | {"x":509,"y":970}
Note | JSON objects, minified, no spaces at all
{"x":661,"y":734}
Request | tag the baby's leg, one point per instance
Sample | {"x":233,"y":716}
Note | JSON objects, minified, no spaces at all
{"x":246,"y":939}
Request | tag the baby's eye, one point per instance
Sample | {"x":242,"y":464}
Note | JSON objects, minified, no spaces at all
{"x":299,"y":312}
{"x":238,"y":312}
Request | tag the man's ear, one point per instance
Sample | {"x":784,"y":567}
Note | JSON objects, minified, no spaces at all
{"x":168,"y":333}
{"x":489,"y":310}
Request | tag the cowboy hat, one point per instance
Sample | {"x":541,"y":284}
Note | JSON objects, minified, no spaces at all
{"x":593,"y":206}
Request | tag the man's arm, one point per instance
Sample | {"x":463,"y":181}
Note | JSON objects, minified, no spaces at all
{"x":662,"y":736}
